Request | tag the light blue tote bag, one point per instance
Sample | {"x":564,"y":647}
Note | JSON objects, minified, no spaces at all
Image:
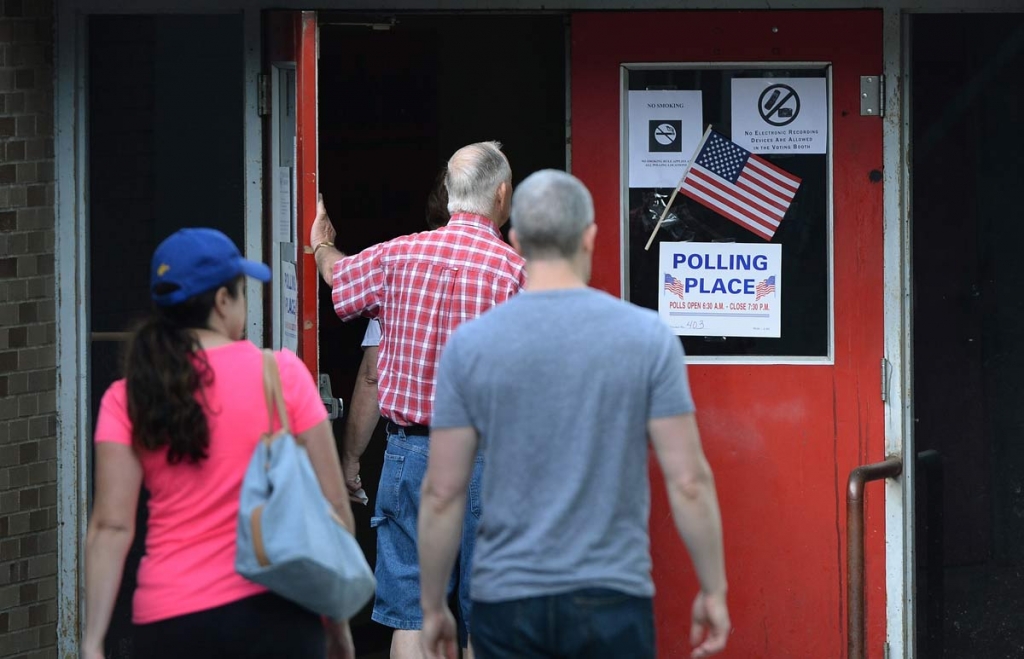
{"x":289,"y":538}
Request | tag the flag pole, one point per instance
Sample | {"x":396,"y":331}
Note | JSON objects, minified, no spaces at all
{"x":671,"y":199}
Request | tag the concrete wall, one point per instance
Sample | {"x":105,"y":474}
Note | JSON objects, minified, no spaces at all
{"x":28,"y":445}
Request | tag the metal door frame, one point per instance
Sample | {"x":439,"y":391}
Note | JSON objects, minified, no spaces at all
{"x":71,"y":255}
{"x":71,"y":212}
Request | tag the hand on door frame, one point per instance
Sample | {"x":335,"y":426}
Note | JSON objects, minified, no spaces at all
{"x":321,"y":240}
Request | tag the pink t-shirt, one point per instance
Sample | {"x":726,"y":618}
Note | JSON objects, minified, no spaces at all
{"x":190,"y":542}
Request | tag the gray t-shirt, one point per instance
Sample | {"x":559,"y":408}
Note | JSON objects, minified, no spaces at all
{"x":560,"y":386}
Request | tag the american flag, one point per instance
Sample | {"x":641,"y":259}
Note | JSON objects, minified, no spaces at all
{"x":764,"y":287}
{"x":743,"y":187}
{"x":674,"y":286}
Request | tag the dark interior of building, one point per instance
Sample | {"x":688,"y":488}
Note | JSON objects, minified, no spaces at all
{"x":394,"y":105}
{"x":968,"y":321}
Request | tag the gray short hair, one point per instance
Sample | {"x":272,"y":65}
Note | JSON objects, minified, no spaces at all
{"x":550,"y":212}
{"x":474,"y":174}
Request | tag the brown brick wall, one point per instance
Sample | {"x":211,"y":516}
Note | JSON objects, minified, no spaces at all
{"x":28,"y":444}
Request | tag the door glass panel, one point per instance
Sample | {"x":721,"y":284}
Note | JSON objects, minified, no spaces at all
{"x":284,"y":290}
{"x":804,"y":232}
{"x":165,"y":146}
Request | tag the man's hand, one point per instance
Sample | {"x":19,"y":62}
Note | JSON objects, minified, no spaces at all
{"x":350,"y":467}
{"x":439,"y":637}
{"x":710,"y":622}
{"x":353,"y":482}
{"x":322,"y":230}
{"x":439,"y":528}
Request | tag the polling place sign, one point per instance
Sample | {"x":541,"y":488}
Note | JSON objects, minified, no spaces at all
{"x":289,"y":307}
{"x":721,"y":289}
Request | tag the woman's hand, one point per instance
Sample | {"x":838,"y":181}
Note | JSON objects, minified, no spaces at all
{"x":111,"y":530}
{"x":339,"y":640}
{"x":92,"y":651}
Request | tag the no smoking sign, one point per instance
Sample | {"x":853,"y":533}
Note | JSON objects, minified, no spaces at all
{"x":664,"y":128}
{"x":665,"y":136}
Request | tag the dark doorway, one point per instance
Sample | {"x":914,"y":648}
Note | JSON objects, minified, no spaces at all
{"x":165,"y":152}
{"x":968,"y":161}
{"x":397,"y":96}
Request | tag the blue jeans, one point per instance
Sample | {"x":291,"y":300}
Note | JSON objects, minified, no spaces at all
{"x":591,"y":623}
{"x":395,"y":516}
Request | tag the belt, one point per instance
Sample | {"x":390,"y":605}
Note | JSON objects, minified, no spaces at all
{"x":414,"y":429}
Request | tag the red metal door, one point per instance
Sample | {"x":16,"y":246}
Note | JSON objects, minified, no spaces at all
{"x":781,"y":438}
{"x":291,"y":36}
{"x":307,"y":176}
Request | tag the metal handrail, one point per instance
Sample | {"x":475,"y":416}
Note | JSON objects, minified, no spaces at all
{"x":856,"y":627}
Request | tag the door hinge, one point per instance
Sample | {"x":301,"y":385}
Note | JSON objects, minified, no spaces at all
{"x":872,"y":96}
{"x":263,"y":95}
{"x":885,"y":380}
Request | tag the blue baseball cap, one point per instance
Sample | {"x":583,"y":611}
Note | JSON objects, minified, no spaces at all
{"x":197,"y":261}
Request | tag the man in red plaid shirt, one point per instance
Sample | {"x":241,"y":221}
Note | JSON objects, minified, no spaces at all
{"x":421,"y":287}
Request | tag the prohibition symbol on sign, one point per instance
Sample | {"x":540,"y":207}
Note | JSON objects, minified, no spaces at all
{"x":779,"y":105}
{"x":665,"y":136}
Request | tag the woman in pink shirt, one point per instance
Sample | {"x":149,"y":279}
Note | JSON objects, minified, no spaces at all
{"x":184,"y":422}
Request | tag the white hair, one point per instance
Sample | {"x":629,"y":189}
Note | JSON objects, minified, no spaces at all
{"x":550,"y":212}
{"x":474,"y":174}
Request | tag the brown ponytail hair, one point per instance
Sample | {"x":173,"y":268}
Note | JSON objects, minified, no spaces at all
{"x":166,"y":372}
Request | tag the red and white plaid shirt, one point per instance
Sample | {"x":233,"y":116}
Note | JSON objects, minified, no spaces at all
{"x":421,"y":287}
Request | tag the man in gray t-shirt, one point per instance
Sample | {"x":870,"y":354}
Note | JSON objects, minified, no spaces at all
{"x":563,"y":386}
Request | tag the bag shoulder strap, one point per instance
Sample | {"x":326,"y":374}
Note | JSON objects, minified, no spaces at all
{"x":273,"y":391}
